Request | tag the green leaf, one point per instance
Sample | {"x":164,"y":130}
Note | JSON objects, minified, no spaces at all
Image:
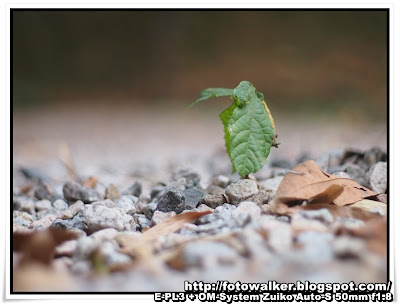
{"x":251,"y":133}
{"x":248,"y":125}
{"x":212,"y":92}
{"x":225,"y":116}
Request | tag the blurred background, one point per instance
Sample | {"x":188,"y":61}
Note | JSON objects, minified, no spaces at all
{"x":113,"y":86}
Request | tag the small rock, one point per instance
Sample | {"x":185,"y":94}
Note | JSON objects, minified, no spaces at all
{"x":135,"y":189}
{"x":342,"y":175}
{"x":374,"y":155}
{"x":19,"y":228}
{"x":159,"y":217}
{"x":280,"y":162}
{"x":109,"y":253}
{"x":193,"y":196}
{"x":143,"y":198}
{"x":262,"y":197}
{"x":75,"y":223}
{"x":148,"y":209}
{"x":283,"y":219}
{"x":42,"y":191}
{"x":43,"y":223}
{"x":208,"y":254}
{"x":173,"y":200}
{"x":356,"y":172}
{"x":377,"y":177}
{"x":112,"y":192}
{"x":322,"y":215}
{"x":272,"y":185}
{"x":192,"y":177}
{"x":215,"y":190}
{"x":72,"y":210}
{"x":346,"y":223}
{"x":106,"y":202}
{"x":43,"y":205}
{"x":241,"y":190}
{"x":60,"y":204}
{"x":348,"y":247}
{"x":220,"y":181}
{"x":203,"y":207}
{"x":22,"y":218}
{"x":156,"y":191}
{"x":213,"y":201}
{"x":300,"y":223}
{"x":126,"y":204}
{"x":142,"y":221}
{"x":104,"y":235}
{"x":279,"y":233}
{"x":316,"y":249}
{"x":24,"y":204}
{"x":67,"y":248}
{"x":98,"y":217}
{"x":81,"y":267}
{"x":247,"y":208}
{"x":85,"y":247}
{"x":74,"y":191}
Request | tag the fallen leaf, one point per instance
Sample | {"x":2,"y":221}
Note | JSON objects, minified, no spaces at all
{"x":369,"y":205}
{"x":39,"y":246}
{"x":311,"y":183}
{"x":141,"y":246}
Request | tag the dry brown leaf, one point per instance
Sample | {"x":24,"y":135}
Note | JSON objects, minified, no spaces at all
{"x":369,"y":205}
{"x":39,"y":246}
{"x":90,"y":182}
{"x":141,"y":246}
{"x":310,"y":183}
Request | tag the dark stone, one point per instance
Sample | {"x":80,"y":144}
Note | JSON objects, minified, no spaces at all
{"x":34,"y":174}
{"x":42,"y":191}
{"x":172,"y":200}
{"x":148,"y":209}
{"x":281,"y":163}
{"x":157,"y":190}
{"x":193,"y":196}
{"x":74,"y":191}
{"x":374,"y":155}
{"x":77,"y":222}
{"x":192,"y":177}
{"x":135,"y":189}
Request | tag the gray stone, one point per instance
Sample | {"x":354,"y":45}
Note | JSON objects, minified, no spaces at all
{"x":72,"y":210}
{"x":374,"y":155}
{"x":43,"y":205}
{"x":148,"y":209}
{"x":213,"y":201}
{"x":220,"y":180}
{"x":377,"y":177}
{"x":215,"y":190}
{"x":208,"y":254}
{"x":75,"y":223}
{"x":106,"y":202}
{"x":135,"y":189}
{"x":173,"y":200}
{"x":74,"y":191}
{"x":60,"y":204}
{"x":283,"y":219}
{"x":45,"y":213}
{"x":143,"y":198}
{"x":24,"y":204}
{"x":316,"y":248}
{"x":193,"y":196}
{"x":247,"y":208}
{"x":142,"y":221}
{"x":126,"y":204}
{"x":42,"y":223}
{"x":42,"y":191}
{"x":279,"y":233}
{"x":111,"y":256}
{"x":322,"y":215}
{"x":82,"y":267}
{"x":22,"y":218}
{"x":262,"y":197}
{"x":272,"y":185}
{"x":356,"y":172}
{"x":85,"y":247}
{"x":241,"y":190}
{"x":112,"y":192}
{"x":159,"y":217}
{"x":98,"y":217}
{"x":156,"y":191}
{"x":104,"y":235}
{"x":67,"y":248}
{"x":192,"y":177}
{"x":342,"y":175}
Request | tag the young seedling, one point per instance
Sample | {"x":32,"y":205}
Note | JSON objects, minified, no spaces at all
{"x":248,"y":125}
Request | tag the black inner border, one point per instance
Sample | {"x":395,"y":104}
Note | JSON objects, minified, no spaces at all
{"x":12,"y":10}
